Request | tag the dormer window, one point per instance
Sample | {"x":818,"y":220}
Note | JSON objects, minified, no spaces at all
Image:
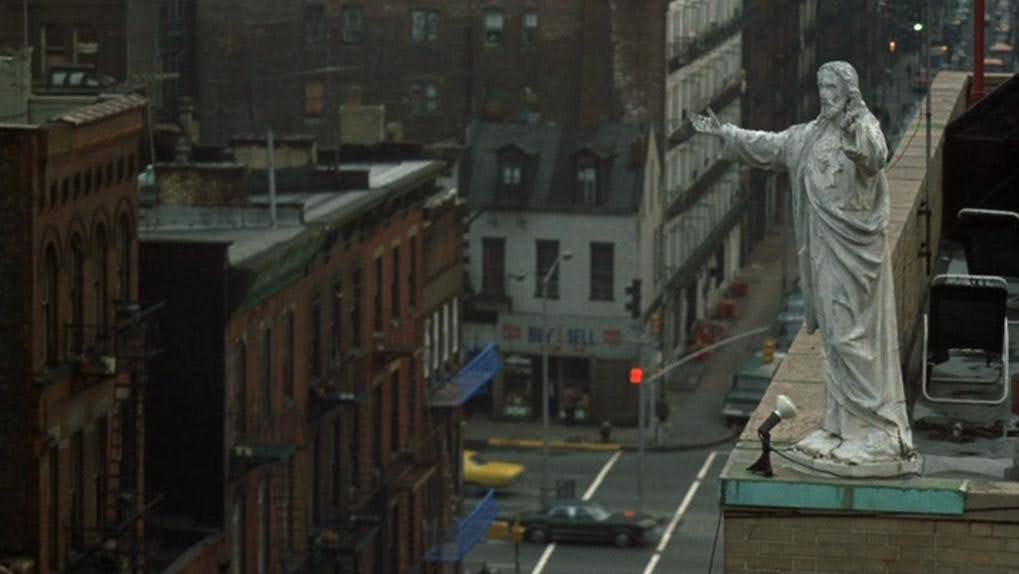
{"x":587,"y":180}
{"x":511,"y":175}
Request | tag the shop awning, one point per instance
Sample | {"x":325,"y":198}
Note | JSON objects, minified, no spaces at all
{"x":474,"y":375}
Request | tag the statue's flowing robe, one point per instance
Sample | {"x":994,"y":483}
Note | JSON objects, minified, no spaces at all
{"x":840,"y":211}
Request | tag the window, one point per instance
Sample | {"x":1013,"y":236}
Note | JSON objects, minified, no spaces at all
{"x":336,"y":322}
{"x":587,"y":180}
{"x":424,"y":26}
{"x":437,"y":339}
{"x":100,"y":279}
{"x":454,"y":329}
{"x":120,"y":169}
{"x":337,"y":474}
{"x":53,"y":41}
{"x":412,"y":273}
{"x":77,"y":185}
{"x":86,"y":45}
{"x":316,"y":473}
{"x":547,"y":253}
{"x":412,"y":397}
{"x":314,"y":24}
{"x":238,"y":525}
{"x":354,"y":448}
{"x":495,"y":21}
{"x":100,"y":473}
{"x":124,"y":250}
{"x":240,"y":388}
{"x":54,"y":517}
{"x":446,"y":332}
{"x":377,"y":297}
{"x":427,"y":351}
{"x":289,"y":345}
{"x":263,"y":525}
{"x":530,"y":28}
{"x":265,"y":381}
{"x":314,"y":99}
{"x":394,"y":285}
{"x":50,"y":307}
{"x":99,"y":178}
{"x":88,"y":181}
{"x":288,"y":504}
{"x":78,"y":490}
{"x":352,"y":25}
{"x":77,"y":295}
{"x":601,"y":271}
{"x":394,"y":412}
{"x":377,"y":404}
{"x":493,"y":274}
{"x":315,"y":340}
{"x":355,"y":308}
{"x":424,"y":98}
{"x":511,"y":172}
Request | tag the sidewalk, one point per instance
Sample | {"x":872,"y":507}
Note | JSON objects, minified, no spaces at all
{"x":695,"y":392}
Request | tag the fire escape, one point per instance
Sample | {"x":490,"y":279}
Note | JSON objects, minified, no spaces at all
{"x":451,"y":538}
{"x":97,"y":354}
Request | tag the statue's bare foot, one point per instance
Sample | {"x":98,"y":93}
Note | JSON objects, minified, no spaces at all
{"x":819,"y":443}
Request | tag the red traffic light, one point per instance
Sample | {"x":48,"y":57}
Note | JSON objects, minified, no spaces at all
{"x":636,"y":376}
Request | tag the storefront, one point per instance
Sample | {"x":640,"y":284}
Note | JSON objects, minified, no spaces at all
{"x":588,"y":359}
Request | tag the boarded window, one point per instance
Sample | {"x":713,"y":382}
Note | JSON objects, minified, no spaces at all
{"x":314,"y":99}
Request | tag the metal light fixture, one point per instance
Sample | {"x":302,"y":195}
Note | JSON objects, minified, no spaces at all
{"x":784,"y":410}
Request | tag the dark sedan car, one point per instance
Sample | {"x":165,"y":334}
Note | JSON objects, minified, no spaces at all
{"x":589,"y":522}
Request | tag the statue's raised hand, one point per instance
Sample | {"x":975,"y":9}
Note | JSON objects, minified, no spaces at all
{"x":708,"y":124}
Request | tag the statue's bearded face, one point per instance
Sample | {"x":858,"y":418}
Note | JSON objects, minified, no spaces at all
{"x":833,"y":94}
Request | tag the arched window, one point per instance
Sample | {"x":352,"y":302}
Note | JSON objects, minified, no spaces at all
{"x":100,"y":278}
{"x":77,"y":285}
{"x":124,"y":269}
{"x":50,"y":323}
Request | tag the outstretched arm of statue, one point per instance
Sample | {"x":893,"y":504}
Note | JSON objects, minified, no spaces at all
{"x":765,"y":150}
{"x":863,"y":142}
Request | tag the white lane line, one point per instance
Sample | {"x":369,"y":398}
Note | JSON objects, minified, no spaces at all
{"x":601,"y":476}
{"x":680,"y":511}
{"x":547,"y":554}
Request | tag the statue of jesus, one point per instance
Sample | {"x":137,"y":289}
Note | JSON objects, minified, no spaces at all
{"x":840,"y":207}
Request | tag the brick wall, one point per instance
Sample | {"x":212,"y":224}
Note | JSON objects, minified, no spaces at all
{"x":17,"y":473}
{"x":569,"y":68}
{"x":858,"y":545}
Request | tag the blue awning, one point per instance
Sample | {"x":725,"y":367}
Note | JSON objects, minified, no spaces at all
{"x":474,"y":375}
{"x":468,"y":531}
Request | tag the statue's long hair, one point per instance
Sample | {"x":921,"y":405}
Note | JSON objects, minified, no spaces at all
{"x":845,"y":72}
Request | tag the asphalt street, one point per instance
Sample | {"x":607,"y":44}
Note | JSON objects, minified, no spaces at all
{"x":680,"y":489}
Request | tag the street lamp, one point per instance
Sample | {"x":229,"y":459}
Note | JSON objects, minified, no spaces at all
{"x":564,"y":256}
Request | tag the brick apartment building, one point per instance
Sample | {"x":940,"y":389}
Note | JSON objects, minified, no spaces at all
{"x":434,"y":65}
{"x":290,"y":414}
{"x":146,"y":43}
{"x":72,"y":484}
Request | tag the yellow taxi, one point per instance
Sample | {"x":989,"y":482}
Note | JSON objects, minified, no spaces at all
{"x":492,"y":474}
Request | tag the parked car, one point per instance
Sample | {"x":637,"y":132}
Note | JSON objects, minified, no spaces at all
{"x":580,"y":521}
{"x":480,"y":471}
{"x":749,"y":384}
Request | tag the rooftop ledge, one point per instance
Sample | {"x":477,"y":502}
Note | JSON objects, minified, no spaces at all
{"x":952,"y":485}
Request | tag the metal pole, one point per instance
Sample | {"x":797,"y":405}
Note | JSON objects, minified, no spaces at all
{"x":269,"y":150}
{"x":640,"y":456}
{"x":544,"y":390}
{"x":24,"y":6}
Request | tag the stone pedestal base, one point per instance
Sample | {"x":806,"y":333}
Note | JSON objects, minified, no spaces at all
{"x":798,"y":461}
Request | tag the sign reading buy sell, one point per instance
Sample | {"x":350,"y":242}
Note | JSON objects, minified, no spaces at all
{"x":578,"y":336}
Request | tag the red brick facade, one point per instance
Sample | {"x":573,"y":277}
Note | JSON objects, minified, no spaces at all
{"x":71,"y":419}
{"x":434,"y":65}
